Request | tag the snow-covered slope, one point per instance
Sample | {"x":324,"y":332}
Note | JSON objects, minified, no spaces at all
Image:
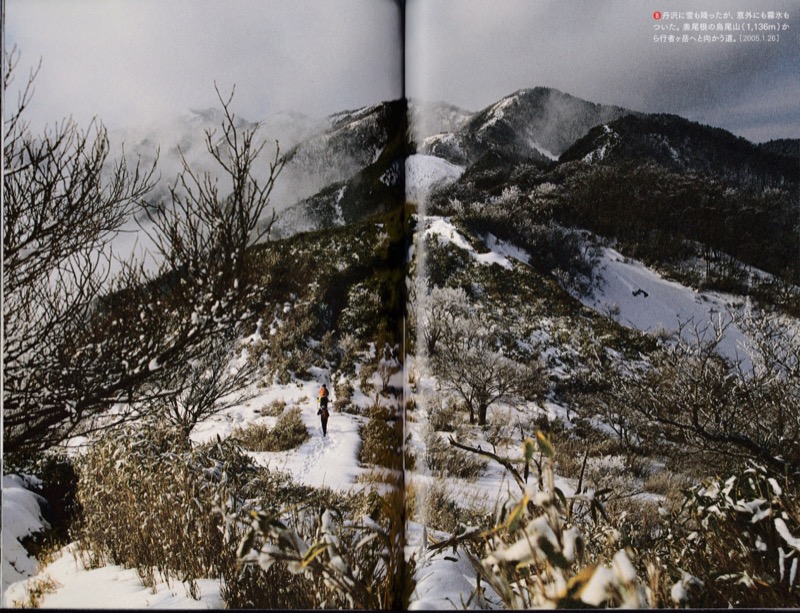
{"x":640,"y":298}
{"x":22,"y":517}
{"x":426,"y":172}
{"x":537,"y":124}
{"x":631,"y":294}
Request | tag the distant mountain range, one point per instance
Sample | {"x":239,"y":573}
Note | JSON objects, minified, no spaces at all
{"x":350,"y":165}
{"x":680,"y":145}
{"x":660,"y":183}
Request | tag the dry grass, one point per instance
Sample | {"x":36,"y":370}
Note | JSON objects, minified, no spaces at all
{"x":381,"y":439}
{"x":179,"y":497}
{"x":35,"y":590}
{"x":444,"y":460}
{"x":288,"y":433}
{"x":273,"y":409}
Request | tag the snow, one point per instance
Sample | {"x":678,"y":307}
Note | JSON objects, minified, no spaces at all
{"x":596,"y":590}
{"x":339,"y":213}
{"x":425,"y":172}
{"x":21,"y":517}
{"x":331,"y":461}
{"x":638,"y":297}
{"x":642,"y":299}
{"x":600,"y":153}
{"x":499,"y":251}
{"x":787,"y":536}
{"x":444,"y":579}
{"x":541,"y":149}
{"x":497,"y":112}
{"x":113,"y":587}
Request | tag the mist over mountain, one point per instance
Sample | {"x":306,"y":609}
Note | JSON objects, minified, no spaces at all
{"x":351,"y":160}
{"x":430,"y":118}
{"x":354,"y":164}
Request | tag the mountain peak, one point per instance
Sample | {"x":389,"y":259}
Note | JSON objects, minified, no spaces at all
{"x":538,"y":123}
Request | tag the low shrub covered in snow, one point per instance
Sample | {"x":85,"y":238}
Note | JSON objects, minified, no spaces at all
{"x":736,"y":538}
{"x":153,"y":502}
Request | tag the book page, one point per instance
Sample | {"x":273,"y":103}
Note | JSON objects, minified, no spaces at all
{"x":603,"y":321}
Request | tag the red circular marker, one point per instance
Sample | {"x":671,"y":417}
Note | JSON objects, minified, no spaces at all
{"x":657,"y":15}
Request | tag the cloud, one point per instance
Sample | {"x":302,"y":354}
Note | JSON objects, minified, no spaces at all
{"x":128,"y":62}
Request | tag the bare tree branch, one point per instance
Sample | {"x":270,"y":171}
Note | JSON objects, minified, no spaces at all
{"x":83,"y":350}
{"x":504,"y":462}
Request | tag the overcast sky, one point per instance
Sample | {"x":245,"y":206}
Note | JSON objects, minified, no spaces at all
{"x":130,"y":61}
{"x":473,"y":52}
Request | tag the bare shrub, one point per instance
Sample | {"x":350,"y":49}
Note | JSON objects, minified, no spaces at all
{"x":386,"y":370}
{"x":288,"y":433}
{"x":444,"y":418}
{"x":501,"y":431}
{"x":719,"y":413}
{"x":612,"y":473}
{"x":470,"y":361}
{"x":80,"y":337}
{"x":216,"y":381}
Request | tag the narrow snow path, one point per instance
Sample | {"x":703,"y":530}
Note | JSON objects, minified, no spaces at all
{"x":330,"y":461}
{"x":110,"y":587}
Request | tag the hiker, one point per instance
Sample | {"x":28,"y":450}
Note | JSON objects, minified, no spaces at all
{"x":323,"y":409}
